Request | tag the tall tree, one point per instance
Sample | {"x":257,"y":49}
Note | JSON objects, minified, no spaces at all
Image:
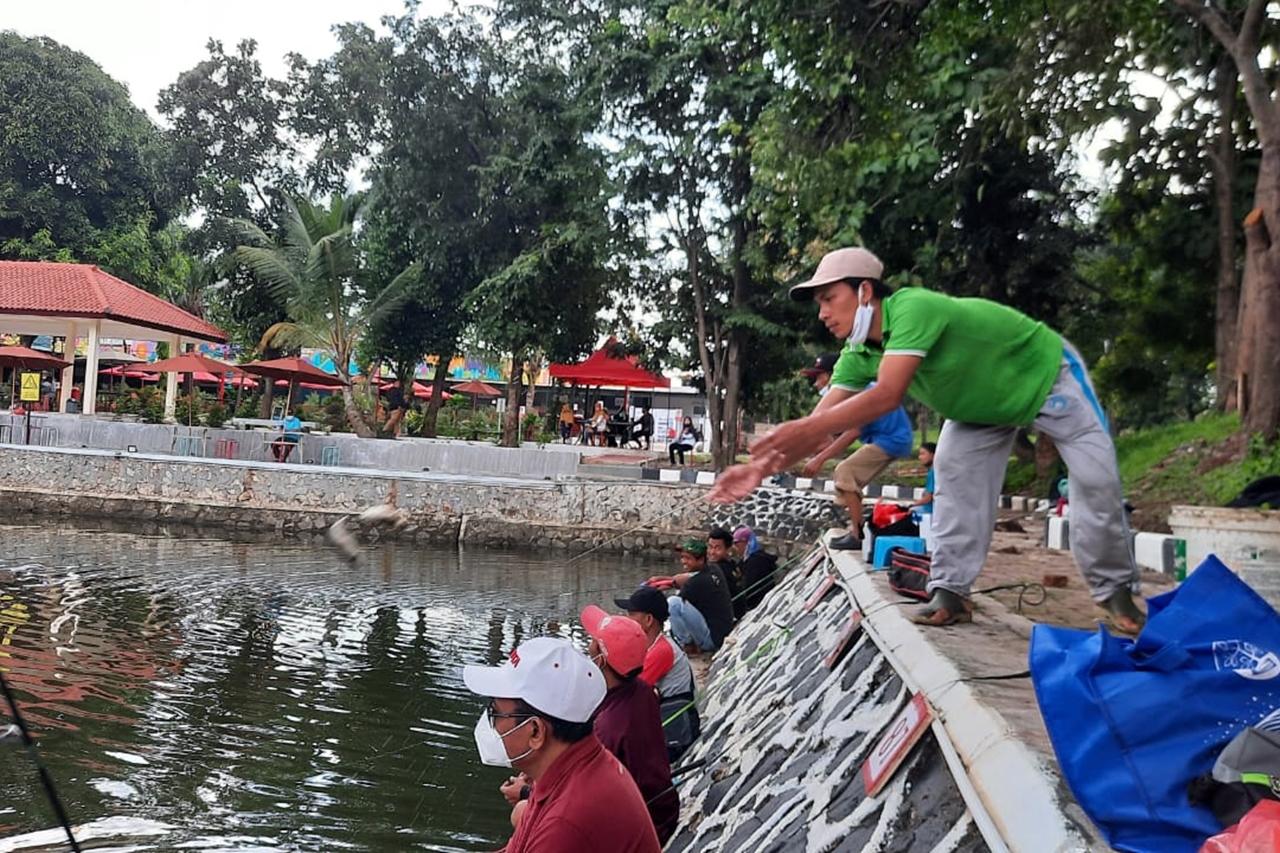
{"x":80,"y":166}
{"x":315,"y":269}
{"x":1248,"y":32}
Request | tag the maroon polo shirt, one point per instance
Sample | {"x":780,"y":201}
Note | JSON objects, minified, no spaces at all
{"x":629,"y":724}
{"x":586,"y":802}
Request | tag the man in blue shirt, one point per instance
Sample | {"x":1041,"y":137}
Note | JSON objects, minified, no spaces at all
{"x":884,"y":439}
{"x":924,"y":503}
{"x":291,"y":433}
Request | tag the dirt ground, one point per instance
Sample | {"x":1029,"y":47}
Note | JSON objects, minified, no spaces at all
{"x":1017,"y":556}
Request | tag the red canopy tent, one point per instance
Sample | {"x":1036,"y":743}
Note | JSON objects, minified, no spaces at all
{"x":603,"y":368}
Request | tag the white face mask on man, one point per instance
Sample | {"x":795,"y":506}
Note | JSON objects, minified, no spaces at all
{"x":490,"y":745}
{"x":861,"y":322}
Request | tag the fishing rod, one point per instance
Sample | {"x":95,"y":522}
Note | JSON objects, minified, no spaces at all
{"x":18,"y":731}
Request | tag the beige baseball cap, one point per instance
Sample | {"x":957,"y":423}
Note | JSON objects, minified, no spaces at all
{"x":852,"y":263}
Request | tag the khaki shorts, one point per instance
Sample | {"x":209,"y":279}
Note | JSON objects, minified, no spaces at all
{"x":852,"y":474}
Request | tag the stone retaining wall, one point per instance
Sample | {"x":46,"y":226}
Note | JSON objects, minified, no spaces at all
{"x":304,"y":500}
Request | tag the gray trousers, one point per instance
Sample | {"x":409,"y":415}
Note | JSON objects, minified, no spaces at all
{"x":969,"y":472}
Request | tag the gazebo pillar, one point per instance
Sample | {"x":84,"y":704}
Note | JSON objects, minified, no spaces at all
{"x":171,"y":380}
{"x":68,"y":372}
{"x":89,"y":403}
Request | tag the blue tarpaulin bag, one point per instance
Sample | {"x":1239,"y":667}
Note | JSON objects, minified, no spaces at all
{"x":1132,"y":722}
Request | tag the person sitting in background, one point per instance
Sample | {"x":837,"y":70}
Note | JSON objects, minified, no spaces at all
{"x":684,"y":442}
{"x":291,"y":434}
{"x":643,"y":429}
{"x":566,"y":423}
{"x":757,"y":569}
{"x":702,"y":614}
{"x":600,"y":425}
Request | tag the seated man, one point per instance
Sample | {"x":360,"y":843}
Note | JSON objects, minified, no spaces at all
{"x":628,"y":722}
{"x":666,"y":668}
{"x":289,"y":437}
{"x":702,"y":614}
{"x":538,"y":720}
{"x":642,"y":430}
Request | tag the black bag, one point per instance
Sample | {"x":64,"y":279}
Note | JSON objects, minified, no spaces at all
{"x":909,"y":574}
{"x":683,"y":729}
{"x":1246,"y":772}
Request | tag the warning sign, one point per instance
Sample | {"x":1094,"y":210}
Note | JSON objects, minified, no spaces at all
{"x":30,"y":388}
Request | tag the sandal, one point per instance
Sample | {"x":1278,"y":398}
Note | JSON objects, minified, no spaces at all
{"x":1123,"y":611}
{"x":944,"y":608}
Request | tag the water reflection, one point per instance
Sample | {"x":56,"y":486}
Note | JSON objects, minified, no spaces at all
{"x":260,"y":696}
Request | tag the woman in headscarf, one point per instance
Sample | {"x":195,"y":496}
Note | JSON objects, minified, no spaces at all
{"x":758,"y":569}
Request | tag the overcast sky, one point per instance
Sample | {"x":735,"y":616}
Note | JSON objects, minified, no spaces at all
{"x":146,"y":44}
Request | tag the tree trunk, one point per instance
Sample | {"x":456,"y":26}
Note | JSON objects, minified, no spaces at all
{"x":1222,"y":161}
{"x":511,"y":421}
{"x":355,"y":418}
{"x":1258,"y":368}
{"x":432,"y":415}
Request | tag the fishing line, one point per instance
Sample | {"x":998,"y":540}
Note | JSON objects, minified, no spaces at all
{"x":630,"y":530}
{"x":45,"y":779}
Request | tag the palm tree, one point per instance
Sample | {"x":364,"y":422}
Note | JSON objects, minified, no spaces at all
{"x":314,"y":267}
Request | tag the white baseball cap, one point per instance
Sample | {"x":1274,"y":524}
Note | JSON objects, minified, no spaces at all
{"x":547,"y":673}
{"x":852,"y":263}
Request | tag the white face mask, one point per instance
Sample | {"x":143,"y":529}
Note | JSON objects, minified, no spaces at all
{"x":861,"y":324}
{"x":490,"y":745}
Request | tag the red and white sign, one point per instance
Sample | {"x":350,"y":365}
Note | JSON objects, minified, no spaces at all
{"x":823,"y":588}
{"x":846,"y":636}
{"x":903,"y":733}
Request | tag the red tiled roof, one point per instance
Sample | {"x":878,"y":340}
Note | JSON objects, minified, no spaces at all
{"x":43,"y":288}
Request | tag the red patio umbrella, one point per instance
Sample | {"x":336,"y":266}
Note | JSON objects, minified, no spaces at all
{"x":476,"y":388}
{"x":293,"y":370}
{"x":192,"y":362}
{"x":421,"y":391}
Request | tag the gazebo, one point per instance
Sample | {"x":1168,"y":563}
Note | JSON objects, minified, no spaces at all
{"x":81,"y":301}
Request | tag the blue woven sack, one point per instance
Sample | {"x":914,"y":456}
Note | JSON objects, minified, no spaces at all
{"x":1133,"y":722}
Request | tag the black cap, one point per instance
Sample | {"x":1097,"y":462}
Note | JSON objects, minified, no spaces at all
{"x":646,"y":599}
{"x":824,"y":363}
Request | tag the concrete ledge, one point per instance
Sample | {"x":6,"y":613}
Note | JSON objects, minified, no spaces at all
{"x":1017,"y":788}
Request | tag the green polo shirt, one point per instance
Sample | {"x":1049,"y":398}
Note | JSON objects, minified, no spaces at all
{"x":982,"y":362}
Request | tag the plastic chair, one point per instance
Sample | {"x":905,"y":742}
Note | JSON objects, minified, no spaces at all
{"x":226,"y":448}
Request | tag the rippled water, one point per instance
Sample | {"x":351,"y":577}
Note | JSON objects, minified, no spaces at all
{"x":199,"y":694}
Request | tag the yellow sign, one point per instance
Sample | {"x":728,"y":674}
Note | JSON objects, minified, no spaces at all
{"x":30,"y":388}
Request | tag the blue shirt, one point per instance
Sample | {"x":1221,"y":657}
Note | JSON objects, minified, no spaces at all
{"x":926,"y":509}
{"x":291,"y":426}
{"x":891,"y":433}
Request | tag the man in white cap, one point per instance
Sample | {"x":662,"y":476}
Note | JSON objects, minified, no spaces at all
{"x":988,"y":370}
{"x":538,"y":720}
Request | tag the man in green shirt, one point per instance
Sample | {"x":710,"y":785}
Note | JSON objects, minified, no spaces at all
{"x":988,"y":370}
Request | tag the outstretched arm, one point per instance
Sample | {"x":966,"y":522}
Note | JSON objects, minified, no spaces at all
{"x":795,"y":440}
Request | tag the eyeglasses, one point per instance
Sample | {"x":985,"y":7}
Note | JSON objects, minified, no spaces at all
{"x":494,"y":714}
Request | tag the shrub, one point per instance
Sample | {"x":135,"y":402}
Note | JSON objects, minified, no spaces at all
{"x":216,"y":416}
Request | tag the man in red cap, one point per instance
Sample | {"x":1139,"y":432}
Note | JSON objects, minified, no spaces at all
{"x":628,"y":722}
{"x":582,"y":800}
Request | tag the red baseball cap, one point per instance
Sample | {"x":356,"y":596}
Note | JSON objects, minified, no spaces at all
{"x":621,"y":639}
